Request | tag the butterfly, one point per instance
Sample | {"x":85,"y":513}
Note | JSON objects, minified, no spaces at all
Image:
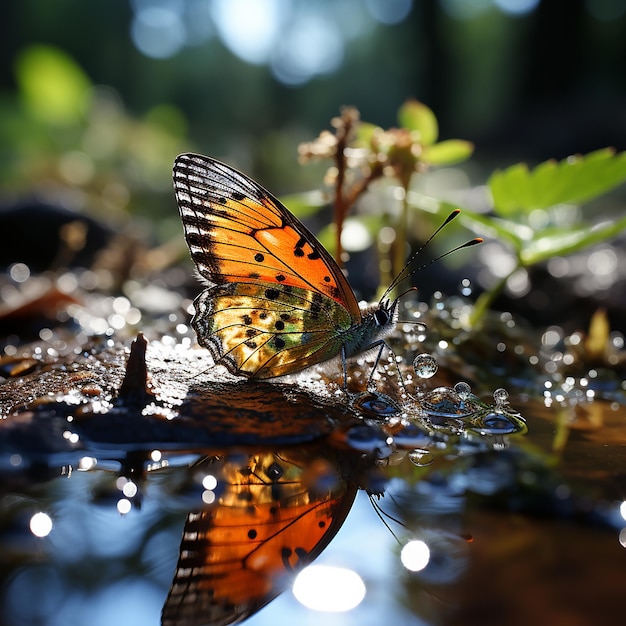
{"x":277,"y":302}
{"x":273,"y":513}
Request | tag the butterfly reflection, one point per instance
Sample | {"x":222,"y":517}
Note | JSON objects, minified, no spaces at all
{"x":268,"y":514}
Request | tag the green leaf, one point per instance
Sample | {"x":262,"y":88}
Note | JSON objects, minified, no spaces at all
{"x":573,"y":180}
{"x":517,"y":235}
{"x":510,"y":189}
{"x":448,"y":152}
{"x":364,"y":134}
{"x":416,"y":116}
{"x":482,"y":225}
{"x":305,"y":203}
{"x":560,"y":243}
{"x":53,"y":86}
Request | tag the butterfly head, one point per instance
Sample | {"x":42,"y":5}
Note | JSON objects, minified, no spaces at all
{"x":382,"y":317}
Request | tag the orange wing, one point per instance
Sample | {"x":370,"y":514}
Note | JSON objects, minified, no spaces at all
{"x":270,"y":520}
{"x":239,"y":232}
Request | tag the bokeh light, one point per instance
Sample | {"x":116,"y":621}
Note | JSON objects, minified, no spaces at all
{"x":415,"y":555}
{"x":326,"y":588}
{"x":40,"y":524}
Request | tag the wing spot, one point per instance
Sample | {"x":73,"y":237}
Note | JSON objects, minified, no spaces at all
{"x":272,"y":294}
{"x":246,"y":319}
{"x":254,"y":275}
{"x":279,"y":342}
{"x":284,"y":316}
{"x":252,"y":534}
{"x":237,"y":195}
{"x":278,"y":325}
{"x":314,"y":255}
{"x":259,"y":258}
{"x":280,"y":277}
{"x":222,"y":200}
{"x":326,"y":279}
{"x":298,"y":252}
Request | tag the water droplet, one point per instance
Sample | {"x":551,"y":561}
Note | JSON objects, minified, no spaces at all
{"x":463,"y":390}
{"x":420,"y":458}
{"x":376,"y":403}
{"x":425,"y":365}
{"x":411,"y":436}
{"x":365,"y":438}
{"x":501,"y":396}
{"x":446,"y":402}
{"x":497,"y":424}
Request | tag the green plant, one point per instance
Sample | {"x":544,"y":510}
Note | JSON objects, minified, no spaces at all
{"x":363,"y":152}
{"x":537,"y":212}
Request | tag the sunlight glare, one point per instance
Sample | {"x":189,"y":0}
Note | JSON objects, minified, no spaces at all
{"x":327,"y":588}
{"x":516,"y":7}
{"x":124,"y":506}
{"x":158,"y":32}
{"x":312,"y":45}
{"x":250,"y":28}
{"x":354,"y":236}
{"x":389,"y":11}
{"x":209,"y":482}
{"x":40,"y":524}
{"x":415,"y":555}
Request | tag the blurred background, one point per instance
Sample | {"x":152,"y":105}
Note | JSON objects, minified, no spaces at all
{"x":96,"y":99}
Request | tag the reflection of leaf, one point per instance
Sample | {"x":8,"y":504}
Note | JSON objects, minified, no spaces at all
{"x":273,"y":513}
{"x":53,"y":86}
{"x":575,"y":179}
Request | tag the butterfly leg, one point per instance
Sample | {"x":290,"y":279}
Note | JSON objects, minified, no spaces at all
{"x":381,"y":344}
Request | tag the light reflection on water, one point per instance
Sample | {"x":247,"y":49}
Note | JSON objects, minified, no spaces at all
{"x":97,"y":566}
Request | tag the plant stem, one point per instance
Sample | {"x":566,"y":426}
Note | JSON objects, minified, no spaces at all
{"x":487,"y":298}
{"x":399,"y":249}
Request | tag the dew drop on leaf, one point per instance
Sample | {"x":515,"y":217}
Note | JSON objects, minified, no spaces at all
{"x":425,"y":365}
{"x":420,"y":458}
{"x":463,"y":390}
{"x":501,"y":396}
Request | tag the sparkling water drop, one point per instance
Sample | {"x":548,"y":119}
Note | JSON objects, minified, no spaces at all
{"x":425,"y":365}
{"x":376,"y":403}
{"x":501,"y":396}
{"x":463,"y":390}
{"x":420,"y":458}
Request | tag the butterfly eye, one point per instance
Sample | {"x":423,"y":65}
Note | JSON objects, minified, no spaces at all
{"x":381,"y":316}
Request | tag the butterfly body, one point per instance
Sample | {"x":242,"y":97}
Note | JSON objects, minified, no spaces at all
{"x":277,"y":302}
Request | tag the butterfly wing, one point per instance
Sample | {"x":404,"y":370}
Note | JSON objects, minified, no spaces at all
{"x":265,"y":330}
{"x":239,"y":232}
{"x":238,"y":554}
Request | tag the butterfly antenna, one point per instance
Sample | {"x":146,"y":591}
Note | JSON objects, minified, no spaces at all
{"x":404,"y":273}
